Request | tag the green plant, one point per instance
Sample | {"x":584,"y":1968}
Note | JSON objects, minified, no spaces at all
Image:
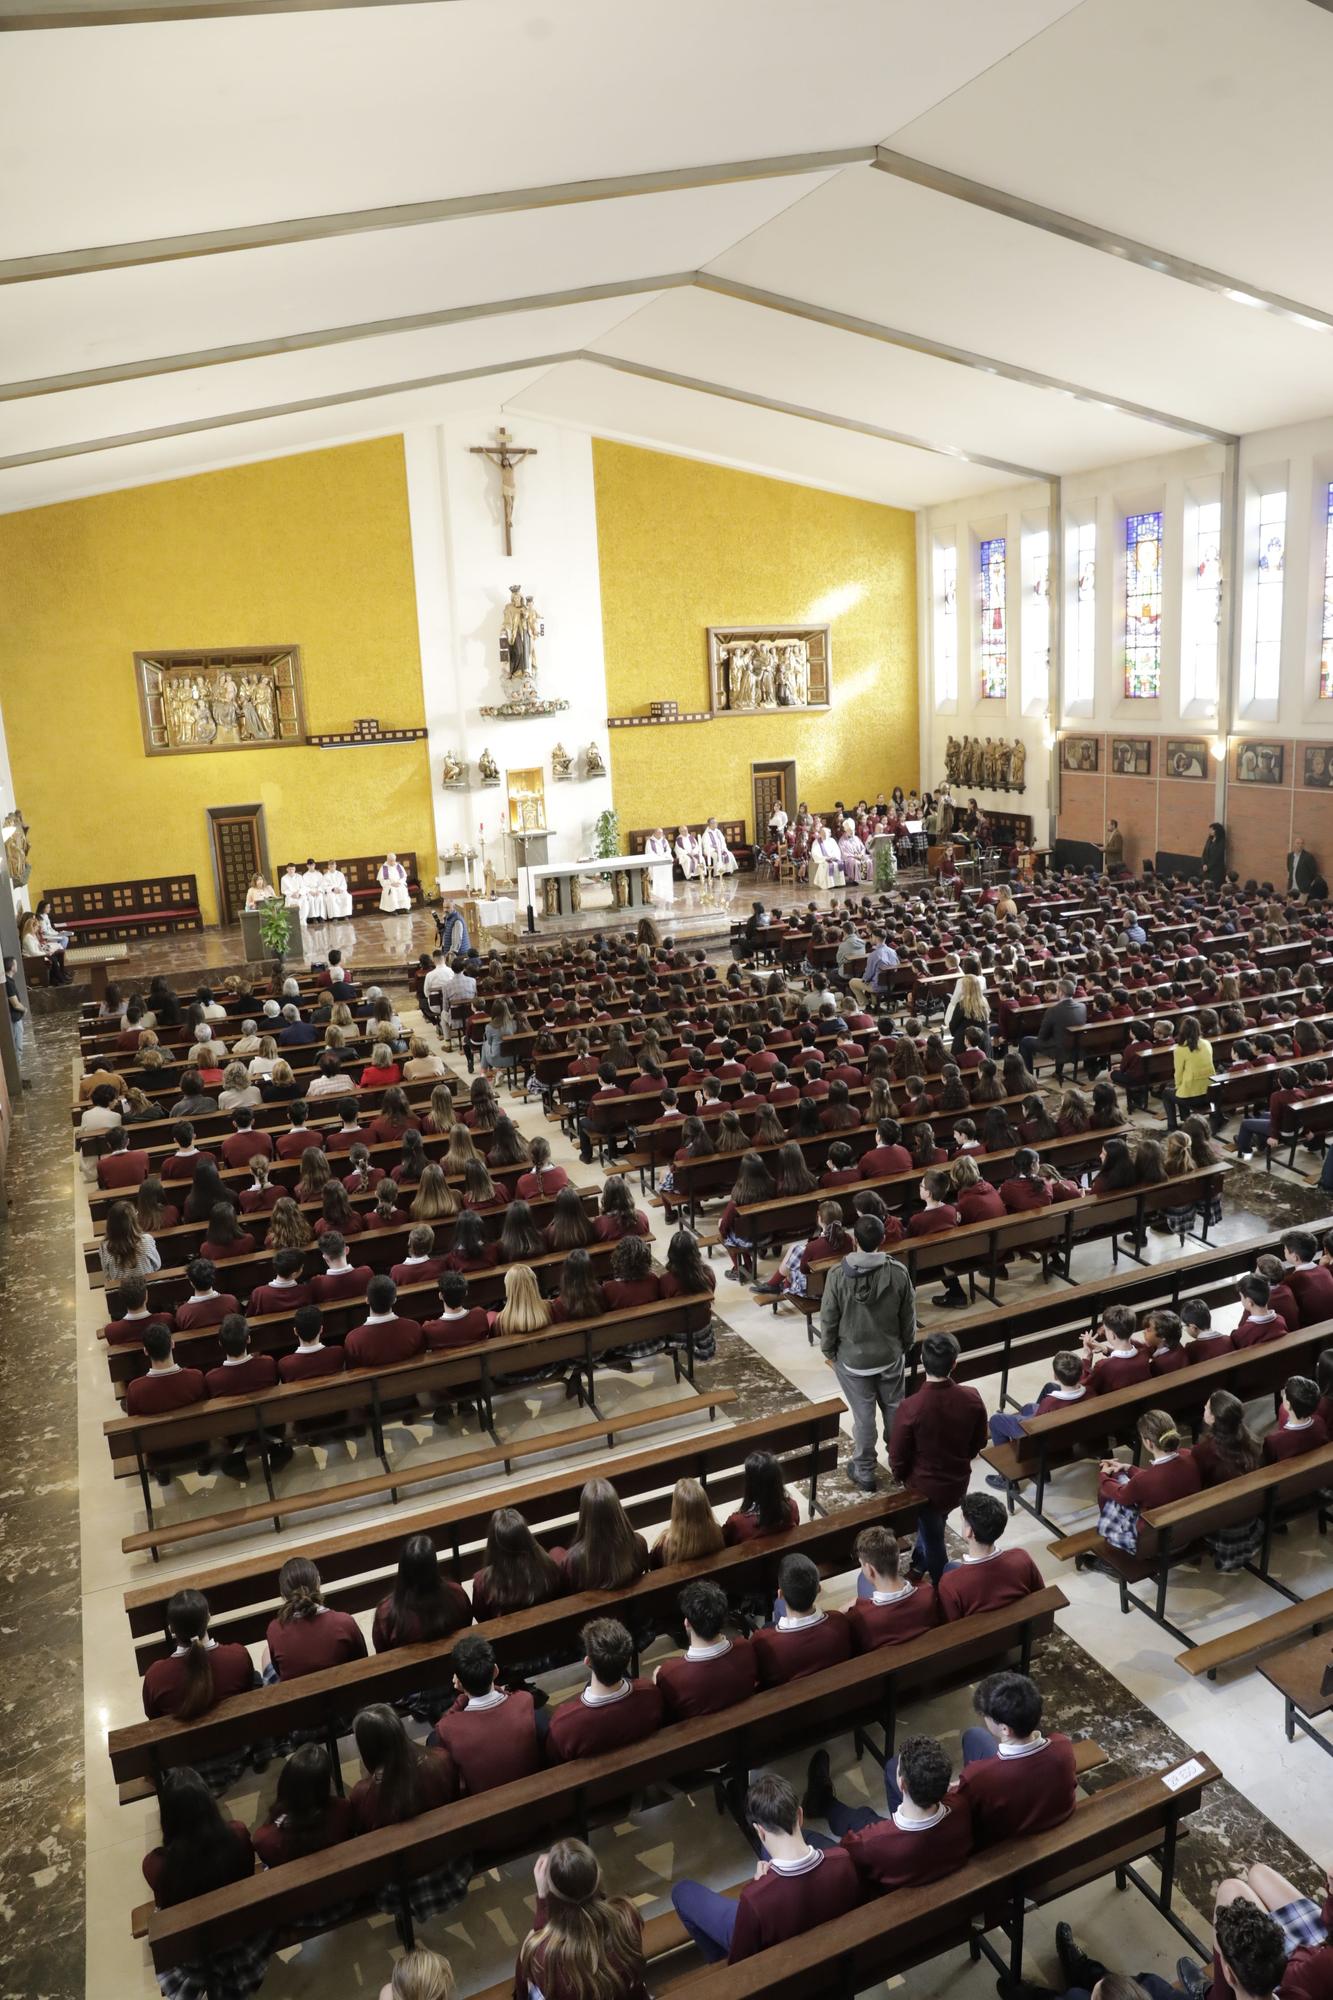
{"x":273,"y":929}
{"x":606,"y":835}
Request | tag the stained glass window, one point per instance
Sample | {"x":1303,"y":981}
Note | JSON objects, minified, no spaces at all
{"x":1083,"y":650}
{"x":1203,"y":603}
{"x":946,"y":623}
{"x":994,"y":625}
{"x":1143,"y":606}
{"x":1268,"y":596}
{"x":1036,"y":617}
{"x":1325,"y":645}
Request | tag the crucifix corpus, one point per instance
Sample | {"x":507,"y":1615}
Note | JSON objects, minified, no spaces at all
{"x":506,"y":454}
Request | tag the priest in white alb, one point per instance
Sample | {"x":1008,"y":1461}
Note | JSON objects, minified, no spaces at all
{"x":687,"y":853}
{"x":292,"y":886}
{"x":312,"y":882}
{"x":337,"y":896}
{"x":393,"y":886}
{"x":825,"y":859}
{"x":661,"y":876}
{"x":718,"y":858}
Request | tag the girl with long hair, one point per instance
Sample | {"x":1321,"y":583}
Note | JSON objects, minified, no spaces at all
{"x":207,"y":1189}
{"x":225,"y":1236}
{"x":483,"y":1110}
{"x":520,"y":1238}
{"x":524,"y":1309}
{"x":1226,"y":1448}
{"x":692,"y":1530}
{"x":441,"y":1117}
{"x":201,"y":1850}
{"x":152,"y":1208}
{"x":412,"y":1165}
{"x":336,"y":1211}
{"x":306,"y":1815}
{"x":125,"y":1251}
{"x":423,"y":1604}
{"x":200,"y":1672}
{"x":1116,"y":1171}
{"x":606,"y":1553}
{"x":569,"y":1228}
{"x":766,"y":1506}
{"x":792,"y":1175}
{"x":730,"y":1136}
{"x":402,"y":1780}
{"x":361,"y":1177}
{"x":459,"y":1153}
{"x":753,"y":1183}
{"x":508,"y":1147}
{"x":315,"y":1174}
{"x":584,"y":1944}
{"x":262,"y":1194}
{"x":392,"y":1119}
{"x":1035,"y":1121}
{"x":480,"y":1192}
{"x":470,"y":1250}
{"x":580,"y":1296}
{"x":618,"y":1217}
{"x":287,"y":1227}
{"x":435,"y":1200}
{"x":306,"y":1635}
{"x":517,"y":1573}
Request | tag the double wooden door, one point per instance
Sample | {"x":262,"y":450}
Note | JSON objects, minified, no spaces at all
{"x":240,"y":851}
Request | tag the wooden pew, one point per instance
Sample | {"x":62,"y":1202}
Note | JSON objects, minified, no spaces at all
{"x":1246,"y":1645}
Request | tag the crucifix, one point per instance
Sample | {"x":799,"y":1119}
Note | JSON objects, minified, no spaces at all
{"x":506,"y":454}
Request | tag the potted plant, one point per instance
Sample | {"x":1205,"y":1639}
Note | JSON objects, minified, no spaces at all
{"x":273,"y":929}
{"x":606,"y":837}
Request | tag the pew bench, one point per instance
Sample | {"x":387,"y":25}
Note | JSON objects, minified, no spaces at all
{"x":1247,"y":1643}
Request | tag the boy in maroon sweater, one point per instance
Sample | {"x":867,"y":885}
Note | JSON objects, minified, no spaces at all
{"x":1014,"y":1780}
{"x":936,"y":1435}
{"x":1205,"y":1343}
{"x":121,"y":1166}
{"x":339,"y":1279}
{"x":714,"y":1672}
{"x":206,"y":1306}
{"x":245,"y":1143}
{"x":1260,"y":1322}
{"x":490,"y":1732}
{"x":889,"y":1155}
{"x":1299,"y":1427}
{"x":284,"y":1291}
{"x":804,"y":1638}
{"x":383,"y":1336}
{"x":311,"y":1358}
{"x":988,"y":1577}
{"x":293,"y":1142}
{"x":244,"y":1373}
{"x":612,"y":1710}
{"x":795,"y":1888}
{"x":926,"y":1836}
{"x":1113,"y":1358}
{"x":459,"y":1325}
{"x":135,"y":1319}
{"x":888,"y":1609}
{"x":1311,"y":1282}
{"x":166,"y":1386}
{"x":939,"y":1213}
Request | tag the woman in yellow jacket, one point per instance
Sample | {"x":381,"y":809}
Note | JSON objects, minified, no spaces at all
{"x":1194,"y":1073}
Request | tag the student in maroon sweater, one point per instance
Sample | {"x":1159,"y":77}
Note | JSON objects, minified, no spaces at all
{"x":1260,"y":1323}
{"x":206,"y":1306}
{"x":1311,"y":1282}
{"x":804,"y":1639}
{"x":201,"y":1848}
{"x":1205,"y":1342}
{"x":339,"y":1279}
{"x":925,"y":1836}
{"x":311,"y":1358}
{"x":242,"y":1373}
{"x":383,"y":1336}
{"x":936,"y":1435}
{"x":166,"y":1386}
{"x":888,"y":1608}
{"x":1299,"y":1427}
{"x":293,"y":1142}
{"x":307,"y":1815}
{"x":1162,"y":1341}
{"x":458,"y":1325}
{"x":795,"y":1888}
{"x":889,"y":1156}
{"x":421,"y":1265}
{"x":1025,"y":1189}
{"x":1125,"y":1492}
{"x":285,"y":1291}
{"x":423,"y":1603}
{"x":988,"y":1577}
{"x":121,"y":1165}
{"x":490,"y":1732}
{"x":246,"y":1143}
{"x":1067,"y":1386}
{"x":714,"y":1672}
{"x":1281,"y":1297}
{"x":306,"y":1636}
{"x":1014,"y":1780}
{"x":1113,"y":1358}
{"x":612,"y":1710}
{"x":134,"y":1319}
{"x":939,"y":1213}
{"x":199,"y":1672}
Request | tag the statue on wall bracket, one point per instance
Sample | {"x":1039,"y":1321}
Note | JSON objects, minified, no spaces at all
{"x":766,"y":669}
{"x":521,"y":626}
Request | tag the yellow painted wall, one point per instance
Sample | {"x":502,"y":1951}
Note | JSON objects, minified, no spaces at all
{"x":312,"y":550}
{"x":684,"y":545}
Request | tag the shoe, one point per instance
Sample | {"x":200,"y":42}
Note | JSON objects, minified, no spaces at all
{"x":235,"y":1466}
{"x":819,"y":1793}
{"x":998,"y":1481}
{"x":280,"y":1455}
{"x":1195,"y":1978}
{"x":1079,"y":1970}
{"x":865,"y":1482}
{"x":955,"y":1296}
{"x":737,"y":1277}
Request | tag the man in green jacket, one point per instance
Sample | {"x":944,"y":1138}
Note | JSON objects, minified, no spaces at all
{"x":867,"y":1324}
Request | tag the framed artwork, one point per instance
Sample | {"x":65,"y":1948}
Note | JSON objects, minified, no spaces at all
{"x":1317,"y":767}
{"x":1131,"y":756}
{"x":248,"y":699}
{"x":764,"y":669}
{"x":1080,"y":753}
{"x":1259,"y":763}
{"x":1186,"y":757}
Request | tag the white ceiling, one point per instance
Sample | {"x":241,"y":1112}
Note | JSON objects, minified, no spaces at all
{"x":1196,"y":128}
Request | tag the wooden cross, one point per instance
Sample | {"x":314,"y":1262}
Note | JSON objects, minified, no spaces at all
{"x":505,"y":454}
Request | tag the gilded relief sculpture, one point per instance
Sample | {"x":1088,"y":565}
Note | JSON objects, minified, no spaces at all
{"x":756,"y":670}
{"x":231,"y":700}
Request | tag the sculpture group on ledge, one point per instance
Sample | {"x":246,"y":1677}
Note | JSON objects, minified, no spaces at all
{"x":988,"y":766}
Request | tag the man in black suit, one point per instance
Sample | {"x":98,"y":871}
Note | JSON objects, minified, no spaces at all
{"x":1301,"y":868}
{"x":1052,"y":1037}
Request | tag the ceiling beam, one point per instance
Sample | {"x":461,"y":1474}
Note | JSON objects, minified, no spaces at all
{"x":1092,"y":236}
{"x":516,"y":366}
{"x":335,"y":336}
{"x":939,"y":350}
{"x":413,"y":214}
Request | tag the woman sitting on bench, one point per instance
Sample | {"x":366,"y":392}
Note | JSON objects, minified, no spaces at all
{"x":1125,"y":1491}
{"x":584,"y":1944}
{"x":203,"y":1850}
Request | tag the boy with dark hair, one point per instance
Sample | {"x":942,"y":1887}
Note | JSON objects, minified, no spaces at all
{"x":988,"y":1577}
{"x":924,"y":1837}
{"x":796,"y":1887}
{"x":490,"y":1732}
{"x":1113,"y":1358}
{"x":166,"y":1386}
{"x":1205,"y":1342}
{"x":285,"y":1291}
{"x":936,"y":1435}
{"x":1311,"y":1282}
{"x":459,"y":1325}
{"x":1259,"y":1322}
{"x":612,"y":1710}
{"x":1299,"y":1427}
{"x":383,"y":1336}
{"x":804,"y":1639}
{"x":714,"y":1672}
{"x":206,"y":1306}
{"x":128,"y":1329}
{"x":244,"y":1143}
{"x":338,"y":1279}
{"x":888,"y":1608}
{"x":311,"y":1357}
{"x":1067,"y":1387}
{"x":1014,"y":1779}
{"x":293,"y":1142}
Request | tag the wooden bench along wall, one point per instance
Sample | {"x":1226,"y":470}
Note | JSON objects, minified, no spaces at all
{"x":146,"y":906}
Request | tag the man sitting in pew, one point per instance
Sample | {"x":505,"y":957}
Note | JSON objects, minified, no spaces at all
{"x":180,"y":1165}
{"x":988,"y":1577}
{"x":926,"y":1835}
{"x":491,"y":1732}
{"x":339,"y":1279}
{"x":804,"y":1638}
{"x":120,"y":1165}
{"x":311,"y":1357}
{"x":1299,"y":1427}
{"x":889,"y":1608}
{"x":285,"y":1291}
{"x":206,"y":1305}
{"x":796,"y":1887}
{"x":612,"y":1710}
{"x":166,"y":1386}
{"x":245,"y":1143}
{"x":128,"y":1330}
{"x":714,"y":1672}
{"x":383,"y":1336}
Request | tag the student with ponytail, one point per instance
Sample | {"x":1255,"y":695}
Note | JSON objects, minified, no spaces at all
{"x":306,"y":1636}
{"x":1126,"y":1491}
{"x":200,"y":1672}
{"x":584,"y":1944}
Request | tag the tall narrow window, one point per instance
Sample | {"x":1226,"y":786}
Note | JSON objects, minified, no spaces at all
{"x":1143,"y":606}
{"x":1203,"y":587}
{"x":1083,"y":637}
{"x":1325,"y":641}
{"x":1036,"y":618}
{"x":994,"y":625}
{"x":1268,"y":595}
{"x":946,"y":623}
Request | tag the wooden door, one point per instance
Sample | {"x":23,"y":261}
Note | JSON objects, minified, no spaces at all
{"x":771,"y":785}
{"x":239,"y":852}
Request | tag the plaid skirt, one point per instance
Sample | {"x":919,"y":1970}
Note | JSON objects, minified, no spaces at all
{"x":1301,"y":1924}
{"x":427,"y":1895}
{"x":1233,"y":1547}
{"x":1209,"y":1212}
{"x":236,"y":1972}
{"x":1119,"y":1525}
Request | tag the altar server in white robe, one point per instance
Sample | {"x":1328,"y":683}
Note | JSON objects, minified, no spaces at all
{"x":687,"y":853}
{"x":337,"y":896}
{"x":825,"y":860}
{"x":718,"y":858}
{"x":312,"y":883}
{"x":661,"y":876}
{"x":292,"y":886}
{"x":393,"y":886}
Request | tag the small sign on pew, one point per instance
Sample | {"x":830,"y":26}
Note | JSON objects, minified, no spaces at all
{"x":1183,"y":1774}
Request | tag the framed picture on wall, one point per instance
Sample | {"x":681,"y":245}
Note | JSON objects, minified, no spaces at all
{"x":1131,"y":756}
{"x":1080,"y":753}
{"x":1317,"y":767}
{"x":1186,"y":757}
{"x":1259,"y":763}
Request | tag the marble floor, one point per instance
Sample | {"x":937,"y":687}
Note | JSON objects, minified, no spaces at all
{"x":74,"y":1853}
